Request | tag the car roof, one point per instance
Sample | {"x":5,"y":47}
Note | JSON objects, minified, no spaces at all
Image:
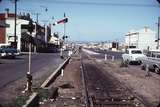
{"x":133,"y":49}
{"x":156,"y":50}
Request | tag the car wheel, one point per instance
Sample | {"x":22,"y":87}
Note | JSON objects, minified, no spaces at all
{"x":156,"y":69}
{"x":139,"y":62}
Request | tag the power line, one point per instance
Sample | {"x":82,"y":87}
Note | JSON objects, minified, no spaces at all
{"x":99,"y":3}
{"x":69,"y":2}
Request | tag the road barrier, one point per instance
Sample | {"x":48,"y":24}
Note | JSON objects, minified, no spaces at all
{"x":55,"y":74}
{"x":33,"y":101}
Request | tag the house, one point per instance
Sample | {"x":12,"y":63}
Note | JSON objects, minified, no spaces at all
{"x":143,"y":39}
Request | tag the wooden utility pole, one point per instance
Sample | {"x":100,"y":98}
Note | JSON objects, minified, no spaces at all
{"x":158,"y":33}
{"x":15,"y":24}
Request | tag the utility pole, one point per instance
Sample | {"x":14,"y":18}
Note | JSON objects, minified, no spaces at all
{"x":64,"y":27}
{"x":37,"y":16}
{"x":36,"y":27}
{"x":63,"y":38}
{"x":158,"y":33}
{"x":15,"y":29}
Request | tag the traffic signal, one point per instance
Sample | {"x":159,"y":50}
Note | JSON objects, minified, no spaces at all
{"x":66,"y":20}
{"x":64,"y":37}
{"x":30,"y":26}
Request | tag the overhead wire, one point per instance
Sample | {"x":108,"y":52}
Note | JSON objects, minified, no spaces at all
{"x":71,"y":2}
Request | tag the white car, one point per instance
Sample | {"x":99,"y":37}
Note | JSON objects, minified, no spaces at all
{"x":152,"y":62}
{"x":133,"y":55}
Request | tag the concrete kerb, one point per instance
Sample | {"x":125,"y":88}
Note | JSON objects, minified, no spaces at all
{"x":55,"y":74}
{"x":33,"y":101}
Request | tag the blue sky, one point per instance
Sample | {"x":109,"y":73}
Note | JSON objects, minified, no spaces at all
{"x":93,"y":20}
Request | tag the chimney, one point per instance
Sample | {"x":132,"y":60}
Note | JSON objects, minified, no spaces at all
{"x":146,"y":28}
{"x":6,"y":13}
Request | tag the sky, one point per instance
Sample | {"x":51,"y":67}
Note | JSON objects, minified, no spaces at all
{"x":92,"y":20}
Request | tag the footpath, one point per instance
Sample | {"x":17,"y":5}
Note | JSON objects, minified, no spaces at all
{"x":69,"y":86}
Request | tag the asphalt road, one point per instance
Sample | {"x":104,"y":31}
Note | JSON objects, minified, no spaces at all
{"x":14,"y":69}
{"x":117,"y":55}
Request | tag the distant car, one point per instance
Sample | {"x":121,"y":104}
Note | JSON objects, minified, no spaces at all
{"x":133,"y":55}
{"x":6,"y":52}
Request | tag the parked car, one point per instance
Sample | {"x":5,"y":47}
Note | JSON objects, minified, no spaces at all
{"x":8,"y":52}
{"x":152,"y":62}
{"x":133,"y":55}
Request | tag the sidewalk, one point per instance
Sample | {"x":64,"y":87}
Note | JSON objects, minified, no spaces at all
{"x":69,"y":86}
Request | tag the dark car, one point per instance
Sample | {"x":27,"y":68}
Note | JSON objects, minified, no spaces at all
{"x":8,"y":52}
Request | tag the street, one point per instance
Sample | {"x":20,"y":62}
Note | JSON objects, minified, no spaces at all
{"x":101,"y":55}
{"x":14,"y":69}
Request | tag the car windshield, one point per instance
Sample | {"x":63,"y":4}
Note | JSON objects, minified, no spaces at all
{"x":136,"y":52}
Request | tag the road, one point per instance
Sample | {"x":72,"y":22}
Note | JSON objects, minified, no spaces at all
{"x":117,"y":55}
{"x":14,"y":69}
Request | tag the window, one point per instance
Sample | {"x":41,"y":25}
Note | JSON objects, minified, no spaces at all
{"x":136,"y":52}
{"x":127,"y":52}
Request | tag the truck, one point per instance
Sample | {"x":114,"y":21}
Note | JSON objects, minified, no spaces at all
{"x":133,"y":55}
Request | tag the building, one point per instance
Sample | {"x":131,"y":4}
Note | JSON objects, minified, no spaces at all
{"x":54,"y":40}
{"x":143,"y":39}
{"x":39,"y":38}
